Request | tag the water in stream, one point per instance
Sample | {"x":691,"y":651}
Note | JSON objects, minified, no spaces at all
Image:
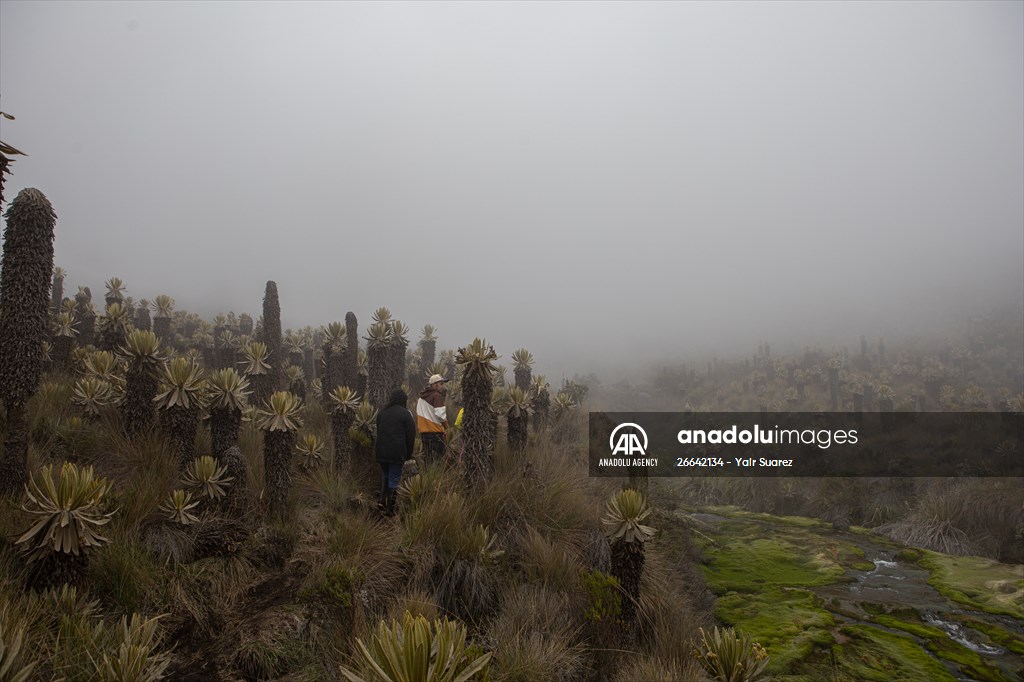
{"x":894,"y":596}
{"x":892,"y":585}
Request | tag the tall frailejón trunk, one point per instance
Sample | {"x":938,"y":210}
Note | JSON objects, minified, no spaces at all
{"x":341,"y":423}
{"x":277,"y":453}
{"x":24,"y":322}
{"x":162,"y":328}
{"x":225,"y":425}
{"x":272,"y":335}
{"x":523,"y":376}
{"x":477,"y":385}
{"x":350,"y":362}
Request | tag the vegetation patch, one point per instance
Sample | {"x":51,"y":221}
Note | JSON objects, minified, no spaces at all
{"x":867,"y":653}
{"x":788,"y":623}
{"x":737,"y":513}
{"x":758,"y":572}
{"x":983,"y":584}
{"x":743,"y":559}
{"x":336,"y":590}
{"x":273,"y":646}
{"x":939,"y":643}
{"x":604,"y":600}
{"x":262,"y":660}
{"x":909,"y":555}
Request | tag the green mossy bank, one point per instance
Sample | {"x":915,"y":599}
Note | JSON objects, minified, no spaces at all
{"x":776,"y":578}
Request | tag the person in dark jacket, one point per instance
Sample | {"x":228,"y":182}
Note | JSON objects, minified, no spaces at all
{"x":396,"y":436}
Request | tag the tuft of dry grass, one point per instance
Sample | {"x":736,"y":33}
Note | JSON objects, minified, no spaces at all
{"x":145,"y":471}
{"x":443,"y":522}
{"x":124,"y":576}
{"x":540,"y":607}
{"x":667,"y":621}
{"x":556,"y":565}
{"x":418,"y":603}
{"x":964,"y":517}
{"x":993,"y":513}
{"x":536,"y":637}
{"x":653,"y":669}
{"x":325,"y":487}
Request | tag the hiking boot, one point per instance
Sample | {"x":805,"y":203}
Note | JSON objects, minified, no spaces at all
{"x":390,"y":499}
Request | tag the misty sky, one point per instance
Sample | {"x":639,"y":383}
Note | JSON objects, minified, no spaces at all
{"x":586,"y":180}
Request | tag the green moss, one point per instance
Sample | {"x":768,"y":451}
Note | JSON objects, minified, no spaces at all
{"x":604,"y":600}
{"x":788,"y":623}
{"x":746,"y":560}
{"x":869,"y":654}
{"x":758,"y":570}
{"x":915,"y":628}
{"x":983,"y":584}
{"x":945,"y":648}
{"x":737,"y":513}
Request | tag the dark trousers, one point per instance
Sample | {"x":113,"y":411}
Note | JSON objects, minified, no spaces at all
{"x":433,"y":446}
{"x":390,"y":476}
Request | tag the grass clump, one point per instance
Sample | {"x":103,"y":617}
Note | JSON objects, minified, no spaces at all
{"x":336,"y":589}
{"x":537,"y":635}
{"x":653,"y":669}
{"x":261,"y":660}
{"x":545,"y":562}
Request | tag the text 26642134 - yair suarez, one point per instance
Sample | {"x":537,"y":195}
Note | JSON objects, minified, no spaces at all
{"x":740,"y":462}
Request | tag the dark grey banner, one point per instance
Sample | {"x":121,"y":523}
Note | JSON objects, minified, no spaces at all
{"x":806,"y":444}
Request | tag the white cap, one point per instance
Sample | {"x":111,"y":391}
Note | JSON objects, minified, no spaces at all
{"x":434,"y":378}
